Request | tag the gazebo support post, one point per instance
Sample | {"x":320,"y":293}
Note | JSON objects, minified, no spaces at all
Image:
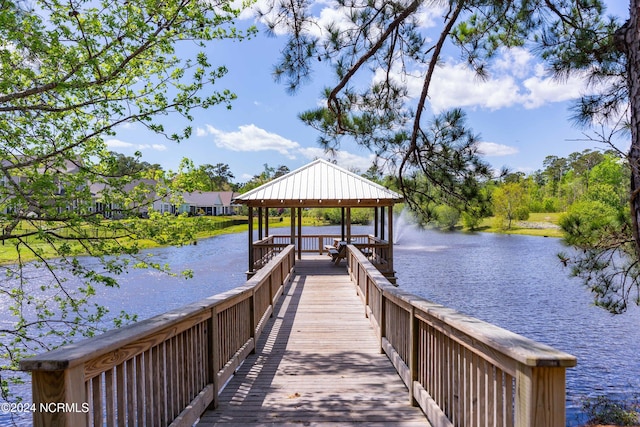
{"x":391,"y":240}
{"x":375,"y":222}
{"x":250,"y":224}
{"x":382,"y":224}
{"x":293,"y":226}
{"x":300,"y":233}
{"x":260,"y":223}
{"x":342,"y":224}
{"x":349,"y":225}
{"x":266,"y":222}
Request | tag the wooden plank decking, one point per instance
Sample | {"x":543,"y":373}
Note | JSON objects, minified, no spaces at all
{"x":317,"y":362}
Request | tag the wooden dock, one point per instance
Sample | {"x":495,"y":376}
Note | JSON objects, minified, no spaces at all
{"x":293,"y":346}
{"x":317,"y":362}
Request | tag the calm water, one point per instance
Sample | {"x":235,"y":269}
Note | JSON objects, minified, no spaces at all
{"x":518,"y":283}
{"x":515,"y":282}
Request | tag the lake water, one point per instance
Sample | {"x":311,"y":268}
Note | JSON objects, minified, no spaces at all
{"x":518,"y":283}
{"x":515,"y":282}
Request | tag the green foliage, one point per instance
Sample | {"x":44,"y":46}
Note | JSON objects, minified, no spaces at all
{"x":268,"y":174}
{"x":510,"y":202}
{"x":334,"y":215}
{"x":584,"y":222}
{"x":71,"y":74}
{"x":603,"y":410}
{"x":471,"y":220}
{"x":447,"y":217}
{"x":435,"y":159}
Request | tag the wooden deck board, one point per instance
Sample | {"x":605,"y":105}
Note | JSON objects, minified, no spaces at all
{"x":318,"y":362}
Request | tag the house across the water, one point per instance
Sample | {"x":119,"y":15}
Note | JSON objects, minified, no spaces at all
{"x":208,"y":203}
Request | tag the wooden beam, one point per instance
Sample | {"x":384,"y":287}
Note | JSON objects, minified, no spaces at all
{"x":50,"y":388}
{"x":375,"y":222}
{"x":293,"y":226}
{"x":266,"y":222}
{"x":250,"y":231}
{"x":390,"y":222}
{"x":299,"y":233}
{"x":382,"y":224}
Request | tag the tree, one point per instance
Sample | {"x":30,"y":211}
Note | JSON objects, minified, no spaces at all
{"x":383,"y":43}
{"x":71,"y":73}
{"x":190,"y":178}
{"x":126,"y":165}
{"x":599,"y":226}
{"x":268,"y":174}
{"x":220,"y":176}
{"x":554,"y":170}
{"x":510,"y":202}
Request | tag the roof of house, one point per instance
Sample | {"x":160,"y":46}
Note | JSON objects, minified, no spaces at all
{"x":320,"y":183}
{"x":209,"y":198}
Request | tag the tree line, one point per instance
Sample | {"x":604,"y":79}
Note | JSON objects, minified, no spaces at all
{"x":189,"y":177}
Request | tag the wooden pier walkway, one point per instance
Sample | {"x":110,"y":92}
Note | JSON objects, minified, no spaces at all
{"x":304,"y":353}
{"x":317,"y":362}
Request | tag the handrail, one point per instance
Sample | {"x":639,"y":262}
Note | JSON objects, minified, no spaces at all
{"x":377,"y":249}
{"x":460,"y":370}
{"x":165,"y":370}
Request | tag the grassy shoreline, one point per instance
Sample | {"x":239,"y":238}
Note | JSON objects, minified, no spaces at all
{"x":9,"y":254}
{"x":538,"y":224}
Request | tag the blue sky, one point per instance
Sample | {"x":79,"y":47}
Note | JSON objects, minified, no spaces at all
{"x":520,"y":113}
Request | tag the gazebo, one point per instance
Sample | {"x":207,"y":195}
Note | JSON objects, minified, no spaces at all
{"x":323,"y":184}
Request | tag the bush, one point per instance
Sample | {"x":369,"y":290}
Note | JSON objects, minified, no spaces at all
{"x":470,"y":220}
{"x":604,"y":410}
{"x":334,"y":215}
{"x":585,"y":221}
{"x":447,"y":217}
{"x":521,"y":213}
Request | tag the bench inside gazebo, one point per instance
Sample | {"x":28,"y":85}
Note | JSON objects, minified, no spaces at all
{"x":321,"y":184}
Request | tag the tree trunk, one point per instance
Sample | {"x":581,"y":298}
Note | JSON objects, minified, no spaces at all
{"x":631,"y":33}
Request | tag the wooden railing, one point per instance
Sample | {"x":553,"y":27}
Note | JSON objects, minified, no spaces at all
{"x":162,"y":371}
{"x":266,"y":249}
{"x":462,"y":371}
{"x":375,"y":249}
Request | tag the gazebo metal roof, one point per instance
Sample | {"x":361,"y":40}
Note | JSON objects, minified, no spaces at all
{"x":320,"y":183}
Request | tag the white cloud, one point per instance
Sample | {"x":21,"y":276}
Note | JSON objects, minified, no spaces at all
{"x":455,"y":85}
{"x":116,"y":143}
{"x":543,"y":89}
{"x":252,"y":138}
{"x":515,"y":61}
{"x":200,"y":132}
{"x":493,"y":149}
{"x":514,"y":80}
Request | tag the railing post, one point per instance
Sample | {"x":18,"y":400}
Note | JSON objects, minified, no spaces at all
{"x":540,"y":396}
{"x":383,"y":315}
{"x":271,"y":303}
{"x":253,"y":317}
{"x":214,"y":355}
{"x":413,"y":354}
{"x":50,"y":388}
